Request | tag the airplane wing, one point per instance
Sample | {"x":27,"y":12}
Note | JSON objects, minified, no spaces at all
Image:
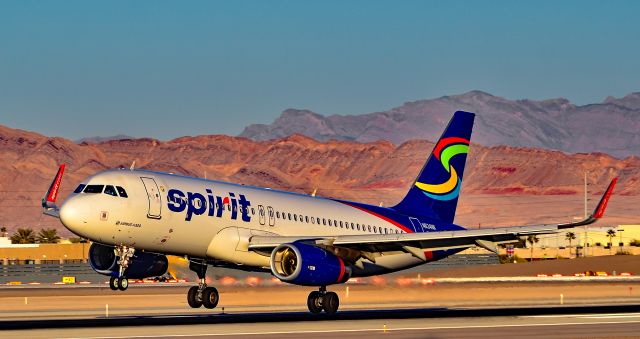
{"x":49,"y":199}
{"x":418,"y":243}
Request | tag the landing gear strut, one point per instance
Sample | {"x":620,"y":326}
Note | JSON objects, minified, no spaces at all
{"x":121,"y":282}
{"x":202,"y":295}
{"x":323,"y":300}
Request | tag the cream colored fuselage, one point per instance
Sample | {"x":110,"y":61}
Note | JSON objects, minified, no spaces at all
{"x":144,"y":220}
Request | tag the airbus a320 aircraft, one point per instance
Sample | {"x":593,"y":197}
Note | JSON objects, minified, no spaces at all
{"x":135,"y":218}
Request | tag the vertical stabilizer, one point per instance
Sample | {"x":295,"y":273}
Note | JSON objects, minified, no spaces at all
{"x":435,"y":191}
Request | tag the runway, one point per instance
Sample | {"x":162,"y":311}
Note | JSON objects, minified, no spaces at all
{"x":600,"y":309}
{"x":550,"y":322}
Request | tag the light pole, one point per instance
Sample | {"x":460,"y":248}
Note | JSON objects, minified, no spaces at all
{"x":621,"y":242}
{"x":584,"y":248}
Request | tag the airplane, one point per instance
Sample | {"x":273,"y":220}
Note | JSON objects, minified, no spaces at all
{"x":135,"y":218}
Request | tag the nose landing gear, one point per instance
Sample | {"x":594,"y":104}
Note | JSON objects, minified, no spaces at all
{"x":121,"y":282}
{"x":202,"y":295}
{"x":323,"y":300}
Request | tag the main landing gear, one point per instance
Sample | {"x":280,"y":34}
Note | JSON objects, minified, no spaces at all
{"x":323,"y":300}
{"x":121,"y":282}
{"x":202,"y":295}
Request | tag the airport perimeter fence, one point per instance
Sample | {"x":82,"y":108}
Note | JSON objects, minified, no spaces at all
{"x":47,"y":273}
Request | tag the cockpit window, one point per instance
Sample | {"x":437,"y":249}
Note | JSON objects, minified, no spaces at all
{"x":79,"y":189}
{"x":93,"y":189}
{"x":122,"y":192}
{"x":110,"y":190}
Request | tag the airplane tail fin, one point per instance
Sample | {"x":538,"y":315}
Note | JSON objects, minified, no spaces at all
{"x":435,"y":191}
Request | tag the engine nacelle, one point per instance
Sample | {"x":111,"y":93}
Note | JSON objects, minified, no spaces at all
{"x":142,"y":265}
{"x":308,"y":265}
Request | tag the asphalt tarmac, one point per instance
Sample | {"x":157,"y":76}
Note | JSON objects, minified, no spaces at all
{"x":591,"y":309}
{"x":530,"y":322}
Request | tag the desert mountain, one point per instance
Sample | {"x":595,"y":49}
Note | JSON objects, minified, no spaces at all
{"x":609,"y":127}
{"x":373,"y":172}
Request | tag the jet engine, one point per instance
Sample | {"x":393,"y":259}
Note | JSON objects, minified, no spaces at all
{"x":303,"y":264}
{"x":103,"y":260}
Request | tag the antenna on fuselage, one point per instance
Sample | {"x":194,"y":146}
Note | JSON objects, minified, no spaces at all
{"x":133,"y":166}
{"x":380,"y":204}
{"x":314,"y":192}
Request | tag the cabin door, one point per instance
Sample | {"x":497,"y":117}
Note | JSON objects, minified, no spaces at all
{"x":272,"y":217}
{"x":417,"y":226}
{"x":155,"y":201}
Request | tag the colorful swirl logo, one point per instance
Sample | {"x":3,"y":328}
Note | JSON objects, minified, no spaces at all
{"x":446,"y":149}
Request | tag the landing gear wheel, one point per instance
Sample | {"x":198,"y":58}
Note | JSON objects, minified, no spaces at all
{"x":314,"y":302}
{"x":330,"y":302}
{"x":113,"y":283}
{"x":192,"y":297}
{"x":210,"y":297}
{"x":123,"y":283}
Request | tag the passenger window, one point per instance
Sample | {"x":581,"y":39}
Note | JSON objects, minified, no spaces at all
{"x":353,"y":226}
{"x":122,"y":192}
{"x":306,"y":219}
{"x":253,"y":211}
{"x":324,"y":221}
{"x":313,"y":221}
{"x":369,"y":228}
{"x":335,"y":223}
{"x":289,"y":216}
{"x":330,"y":222}
{"x":110,"y":190}
{"x":93,"y":189}
{"x":277,"y":215}
{"x":79,"y":188}
{"x":295,"y":217}
{"x":301,"y":218}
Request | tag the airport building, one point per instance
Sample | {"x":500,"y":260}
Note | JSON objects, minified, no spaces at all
{"x":15,"y":254}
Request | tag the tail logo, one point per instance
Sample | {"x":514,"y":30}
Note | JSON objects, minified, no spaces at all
{"x":446,"y":149}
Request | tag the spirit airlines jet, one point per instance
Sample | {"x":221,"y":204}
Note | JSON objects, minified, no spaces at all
{"x":135,"y":218}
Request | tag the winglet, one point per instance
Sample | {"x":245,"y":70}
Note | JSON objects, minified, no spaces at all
{"x":598,"y":213}
{"x":602,"y":205}
{"x":49,"y":200}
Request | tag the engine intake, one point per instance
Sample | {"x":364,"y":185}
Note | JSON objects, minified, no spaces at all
{"x":303,"y":264}
{"x":103,"y":260}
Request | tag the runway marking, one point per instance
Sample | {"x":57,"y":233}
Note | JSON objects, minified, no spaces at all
{"x":377,"y":329}
{"x":588,"y":316}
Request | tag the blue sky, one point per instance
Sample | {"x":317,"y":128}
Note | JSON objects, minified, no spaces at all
{"x":170,"y":68}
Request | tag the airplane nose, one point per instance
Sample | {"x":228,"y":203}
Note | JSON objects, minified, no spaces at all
{"x":71,"y":216}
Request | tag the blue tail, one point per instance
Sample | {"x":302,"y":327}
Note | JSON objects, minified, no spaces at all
{"x":435,"y":192}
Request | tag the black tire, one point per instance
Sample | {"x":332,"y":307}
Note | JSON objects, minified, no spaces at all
{"x":192,"y":298}
{"x":314,"y":302}
{"x":331,"y":302}
{"x":210,"y":297}
{"x":123,"y":283}
{"x":113,"y":283}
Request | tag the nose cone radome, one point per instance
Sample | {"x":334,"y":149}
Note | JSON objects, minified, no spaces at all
{"x":72,"y":217}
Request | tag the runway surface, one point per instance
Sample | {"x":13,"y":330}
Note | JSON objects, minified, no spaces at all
{"x":590,"y":309}
{"x":523,"y":322}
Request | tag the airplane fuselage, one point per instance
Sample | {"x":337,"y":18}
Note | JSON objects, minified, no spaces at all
{"x":200,"y":218}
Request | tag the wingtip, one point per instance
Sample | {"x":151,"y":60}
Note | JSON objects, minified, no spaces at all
{"x":52,"y":193}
